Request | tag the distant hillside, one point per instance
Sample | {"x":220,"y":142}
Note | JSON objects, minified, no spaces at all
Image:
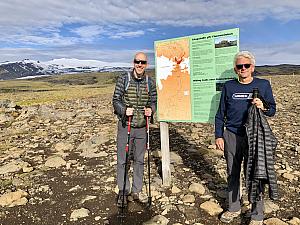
{"x":20,"y":69}
{"x":30,"y":68}
{"x":283,"y":69}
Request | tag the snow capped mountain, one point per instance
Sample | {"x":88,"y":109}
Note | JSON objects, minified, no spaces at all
{"x":72,"y":65}
{"x":13,"y":70}
{"x":84,"y":63}
{"x":31,"y":68}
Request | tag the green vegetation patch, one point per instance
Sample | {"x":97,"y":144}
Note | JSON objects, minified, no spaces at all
{"x":57,"y":88}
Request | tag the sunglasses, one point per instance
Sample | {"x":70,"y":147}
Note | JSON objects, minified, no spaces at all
{"x":240,"y":66}
{"x":140,"y":61}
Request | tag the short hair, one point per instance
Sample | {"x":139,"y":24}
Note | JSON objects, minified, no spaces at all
{"x":141,"y":53}
{"x":245,"y":54}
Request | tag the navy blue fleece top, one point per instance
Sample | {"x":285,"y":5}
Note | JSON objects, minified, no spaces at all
{"x":235,"y":101}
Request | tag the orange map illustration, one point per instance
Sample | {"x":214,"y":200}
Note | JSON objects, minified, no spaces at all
{"x":173,"y":77}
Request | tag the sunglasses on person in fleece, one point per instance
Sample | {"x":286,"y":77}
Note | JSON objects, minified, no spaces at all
{"x":140,"y":61}
{"x":240,"y":66}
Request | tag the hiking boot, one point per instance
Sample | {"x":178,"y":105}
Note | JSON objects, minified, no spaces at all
{"x":135,"y":196}
{"x":120,"y":200}
{"x":228,"y":216}
{"x":138,"y":197}
{"x":256,"y":222}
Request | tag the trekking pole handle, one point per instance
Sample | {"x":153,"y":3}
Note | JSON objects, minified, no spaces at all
{"x":148,"y":135}
{"x":255,"y":93}
{"x":128,"y":134}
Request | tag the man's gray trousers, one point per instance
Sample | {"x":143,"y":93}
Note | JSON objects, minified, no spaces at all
{"x":235,"y":150}
{"x":137,"y":148}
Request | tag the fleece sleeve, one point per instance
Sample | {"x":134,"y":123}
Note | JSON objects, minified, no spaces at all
{"x":220,"y":116}
{"x":118,"y":97}
{"x":153,"y":95}
{"x":269,"y":98}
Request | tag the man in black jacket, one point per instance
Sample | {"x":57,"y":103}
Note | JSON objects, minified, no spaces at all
{"x":134,"y":98}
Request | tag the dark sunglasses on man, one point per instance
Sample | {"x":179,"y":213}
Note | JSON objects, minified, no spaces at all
{"x":140,"y":61}
{"x":240,"y":66}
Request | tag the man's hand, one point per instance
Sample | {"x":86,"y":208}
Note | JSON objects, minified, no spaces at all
{"x":129,"y":111}
{"x":220,"y":143}
{"x":148,"y":111}
{"x":258,"y":103}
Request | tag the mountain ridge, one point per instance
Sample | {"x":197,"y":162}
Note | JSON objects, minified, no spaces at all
{"x":31,"y":68}
{"x":26,"y":68}
{"x":281,"y":69}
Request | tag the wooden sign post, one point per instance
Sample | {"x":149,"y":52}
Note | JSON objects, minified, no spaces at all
{"x":165,"y":153}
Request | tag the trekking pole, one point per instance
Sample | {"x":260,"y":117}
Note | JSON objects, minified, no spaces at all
{"x":148,"y":149}
{"x":126,"y":161}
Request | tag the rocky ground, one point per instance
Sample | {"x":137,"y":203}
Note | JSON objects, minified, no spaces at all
{"x":58,"y":166}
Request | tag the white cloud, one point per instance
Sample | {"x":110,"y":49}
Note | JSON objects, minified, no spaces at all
{"x":128,"y":34}
{"x":107,"y":55}
{"x":88,"y":31}
{"x":151,"y":29}
{"x":287,"y":53}
{"x":265,"y":54}
{"x":54,"y":13}
{"x":53,"y":40}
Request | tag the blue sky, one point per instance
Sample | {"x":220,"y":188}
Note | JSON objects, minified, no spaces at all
{"x":112,"y":31}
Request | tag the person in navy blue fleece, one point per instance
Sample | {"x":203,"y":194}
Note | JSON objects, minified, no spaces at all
{"x":230,"y":132}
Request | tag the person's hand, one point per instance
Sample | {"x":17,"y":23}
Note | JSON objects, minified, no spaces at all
{"x":258,"y":103}
{"x":220,"y":143}
{"x":148,"y":111}
{"x":129,"y":111}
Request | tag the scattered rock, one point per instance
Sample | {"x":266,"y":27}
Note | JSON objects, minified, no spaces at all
{"x":88,"y":198}
{"x":175,"y":190}
{"x":12,"y":199}
{"x":159,"y":219}
{"x":79,"y":213}
{"x":15,"y":166}
{"x":110,"y":179}
{"x":188,"y":198}
{"x":5,"y":118}
{"x":270,"y":207}
{"x":63,"y":146}
{"x":55,"y":161}
{"x":294,"y":221}
{"x":6,"y":103}
{"x":288,"y":176}
{"x":274,"y":221}
{"x":211,"y":208}
{"x":197,"y":188}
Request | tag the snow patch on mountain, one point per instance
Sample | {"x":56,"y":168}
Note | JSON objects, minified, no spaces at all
{"x":26,"y":67}
{"x":66,"y":62}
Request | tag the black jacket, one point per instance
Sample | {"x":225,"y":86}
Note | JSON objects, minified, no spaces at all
{"x":260,"y":162}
